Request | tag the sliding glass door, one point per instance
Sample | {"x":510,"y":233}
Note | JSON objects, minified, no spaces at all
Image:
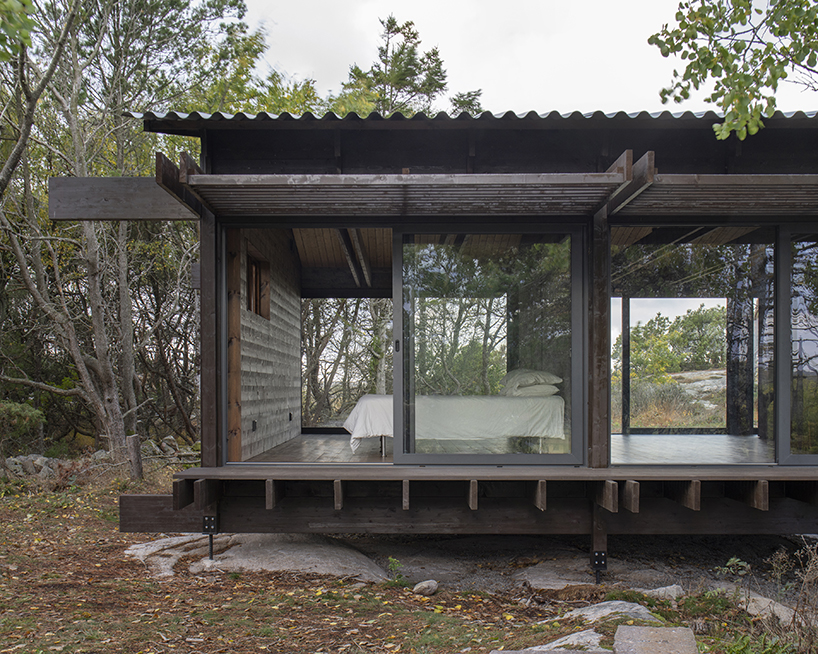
{"x":491,"y":345}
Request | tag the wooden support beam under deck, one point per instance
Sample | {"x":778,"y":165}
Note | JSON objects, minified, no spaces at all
{"x":273,"y":493}
{"x":803,"y":491}
{"x":473,"y":494}
{"x":687,"y":493}
{"x":754,"y":493}
{"x":540,"y":495}
{"x":360,"y":253}
{"x":607,"y":495}
{"x":630,"y":496}
{"x":206,"y":493}
{"x":182,"y":493}
{"x":405,"y":489}
{"x":338,"y":494}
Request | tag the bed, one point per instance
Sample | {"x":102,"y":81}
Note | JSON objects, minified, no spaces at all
{"x":470,"y":417}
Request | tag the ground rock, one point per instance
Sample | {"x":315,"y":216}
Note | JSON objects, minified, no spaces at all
{"x":427,"y":588}
{"x":101,"y":455}
{"x":14,"y":466}
{"x":149,"y":448}
{"x":618,"y":609}
{"x":665,"y":592}
{"x":161,"y":556}
{"x":169,"y":445}
{"x":653,"y":640}
{"x":28,"y":466}
{"x":46,"y":473}
{"x":758,"y":605}
{"x":587,"y":641}
{"x":294,"y":553}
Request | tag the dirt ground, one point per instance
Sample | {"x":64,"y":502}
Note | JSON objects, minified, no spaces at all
{"x":66,"y":586}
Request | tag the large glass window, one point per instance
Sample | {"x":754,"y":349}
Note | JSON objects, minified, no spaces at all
{"x":692,"y":345}
{"x":489,"y":335}
{"x":804,"y":344}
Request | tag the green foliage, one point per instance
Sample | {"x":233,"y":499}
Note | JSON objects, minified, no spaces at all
{"x":19,"y":426}
{"x":16,"y":25}
{"x":748,"y":644}
{"x":734,"y":566}
{"x":401,"y":80}
{"x":745,"y":49}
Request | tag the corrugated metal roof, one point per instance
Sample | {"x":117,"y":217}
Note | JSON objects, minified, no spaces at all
{"x":442,"y":117}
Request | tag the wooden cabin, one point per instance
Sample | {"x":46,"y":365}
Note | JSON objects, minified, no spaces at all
{"x":542,"y":242}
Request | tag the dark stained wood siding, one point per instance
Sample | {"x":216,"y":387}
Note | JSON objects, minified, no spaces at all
{"x":271,"y":348}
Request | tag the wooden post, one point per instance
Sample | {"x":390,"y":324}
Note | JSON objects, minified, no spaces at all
{"x":473,"y":494}
{"x":338,"y":492}
{"x":273,"y":493}
{"x":607,"y":495}
{"x":686,"y":493}
{"x":803,"y":491}
{"x":405,"y":485}
{"x":626,"y":365}
{"x":182,"y":493}
{"x":233,"y":345}
{"x":755,"y":493}
{"x":630,"y":496}
{"x":211,"y":442}
{"x":600,"y":344}
{"x":539,"y":495}
{"x":206,"y":493}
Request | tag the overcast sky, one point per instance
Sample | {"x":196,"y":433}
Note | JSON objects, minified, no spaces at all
{"x":539,"y":55}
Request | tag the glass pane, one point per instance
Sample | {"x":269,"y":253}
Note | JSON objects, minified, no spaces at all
{"x":804,"y":322}
{"x":487,"y":333}
{"x":692,"y":345}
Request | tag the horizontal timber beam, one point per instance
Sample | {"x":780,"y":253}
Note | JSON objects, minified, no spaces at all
{"x":687,"y":493}
{"x":112,"y":198}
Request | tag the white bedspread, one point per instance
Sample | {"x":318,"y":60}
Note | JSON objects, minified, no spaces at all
{"x":470,"y":417}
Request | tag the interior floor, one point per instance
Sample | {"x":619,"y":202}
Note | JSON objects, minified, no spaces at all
{"x":690,"y":449}
{"x":635,"y":449}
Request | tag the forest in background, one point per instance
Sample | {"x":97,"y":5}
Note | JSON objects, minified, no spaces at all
{"x":98,"y":321}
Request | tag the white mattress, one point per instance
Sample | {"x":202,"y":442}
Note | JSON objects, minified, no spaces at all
{"x":470,"y":417}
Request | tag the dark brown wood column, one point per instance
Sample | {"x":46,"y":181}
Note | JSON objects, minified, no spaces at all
{"x":211,"y":450}
{"x":599,"y":341}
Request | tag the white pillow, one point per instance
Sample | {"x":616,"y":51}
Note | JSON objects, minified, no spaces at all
{"x":524,"y":377}
{"x":538,"y":390}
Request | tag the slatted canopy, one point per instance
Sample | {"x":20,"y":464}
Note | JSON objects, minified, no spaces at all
{"x":726,"y":195}
{"x":401,"y":195}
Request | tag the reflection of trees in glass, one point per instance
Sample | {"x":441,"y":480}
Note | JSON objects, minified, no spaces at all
{"x":483,"y":306}
{"x":345,"y":353}
{"x":693,"y":341}
{"x":699,"y":262}
{"x":804,"y":321}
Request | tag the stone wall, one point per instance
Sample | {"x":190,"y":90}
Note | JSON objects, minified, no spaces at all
{"x":271,"y":349}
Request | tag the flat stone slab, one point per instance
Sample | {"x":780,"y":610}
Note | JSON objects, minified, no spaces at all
{"x":614,"y":609}
{"x":586,"y":642}
{"x":259,"y":552}
{"x":652,"y":640}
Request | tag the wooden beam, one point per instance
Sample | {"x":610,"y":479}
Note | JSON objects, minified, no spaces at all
{"x":803,"y":491}
{"x":687,"y":493}
{"x":233,"y":345}
{"x":607,"y":495}
{"x":405,"y":485}
{"x":752,"y":493}
{"x":473,"y":494}
{"x":630,"y":496}
{"x":168,"y":177}
{"x":349,"y":254}
{"x":188,"y":167}
{"x":360,"y":253}
{"x":624,"y":166}
{"x":112,"y":198}
{"x":540,"y":499}
{"x":182,"y":493}
{"x":273,"y":493}
{"x":206,"y":492}
{"x":644,"y":172}
{"x":338,"y":494}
